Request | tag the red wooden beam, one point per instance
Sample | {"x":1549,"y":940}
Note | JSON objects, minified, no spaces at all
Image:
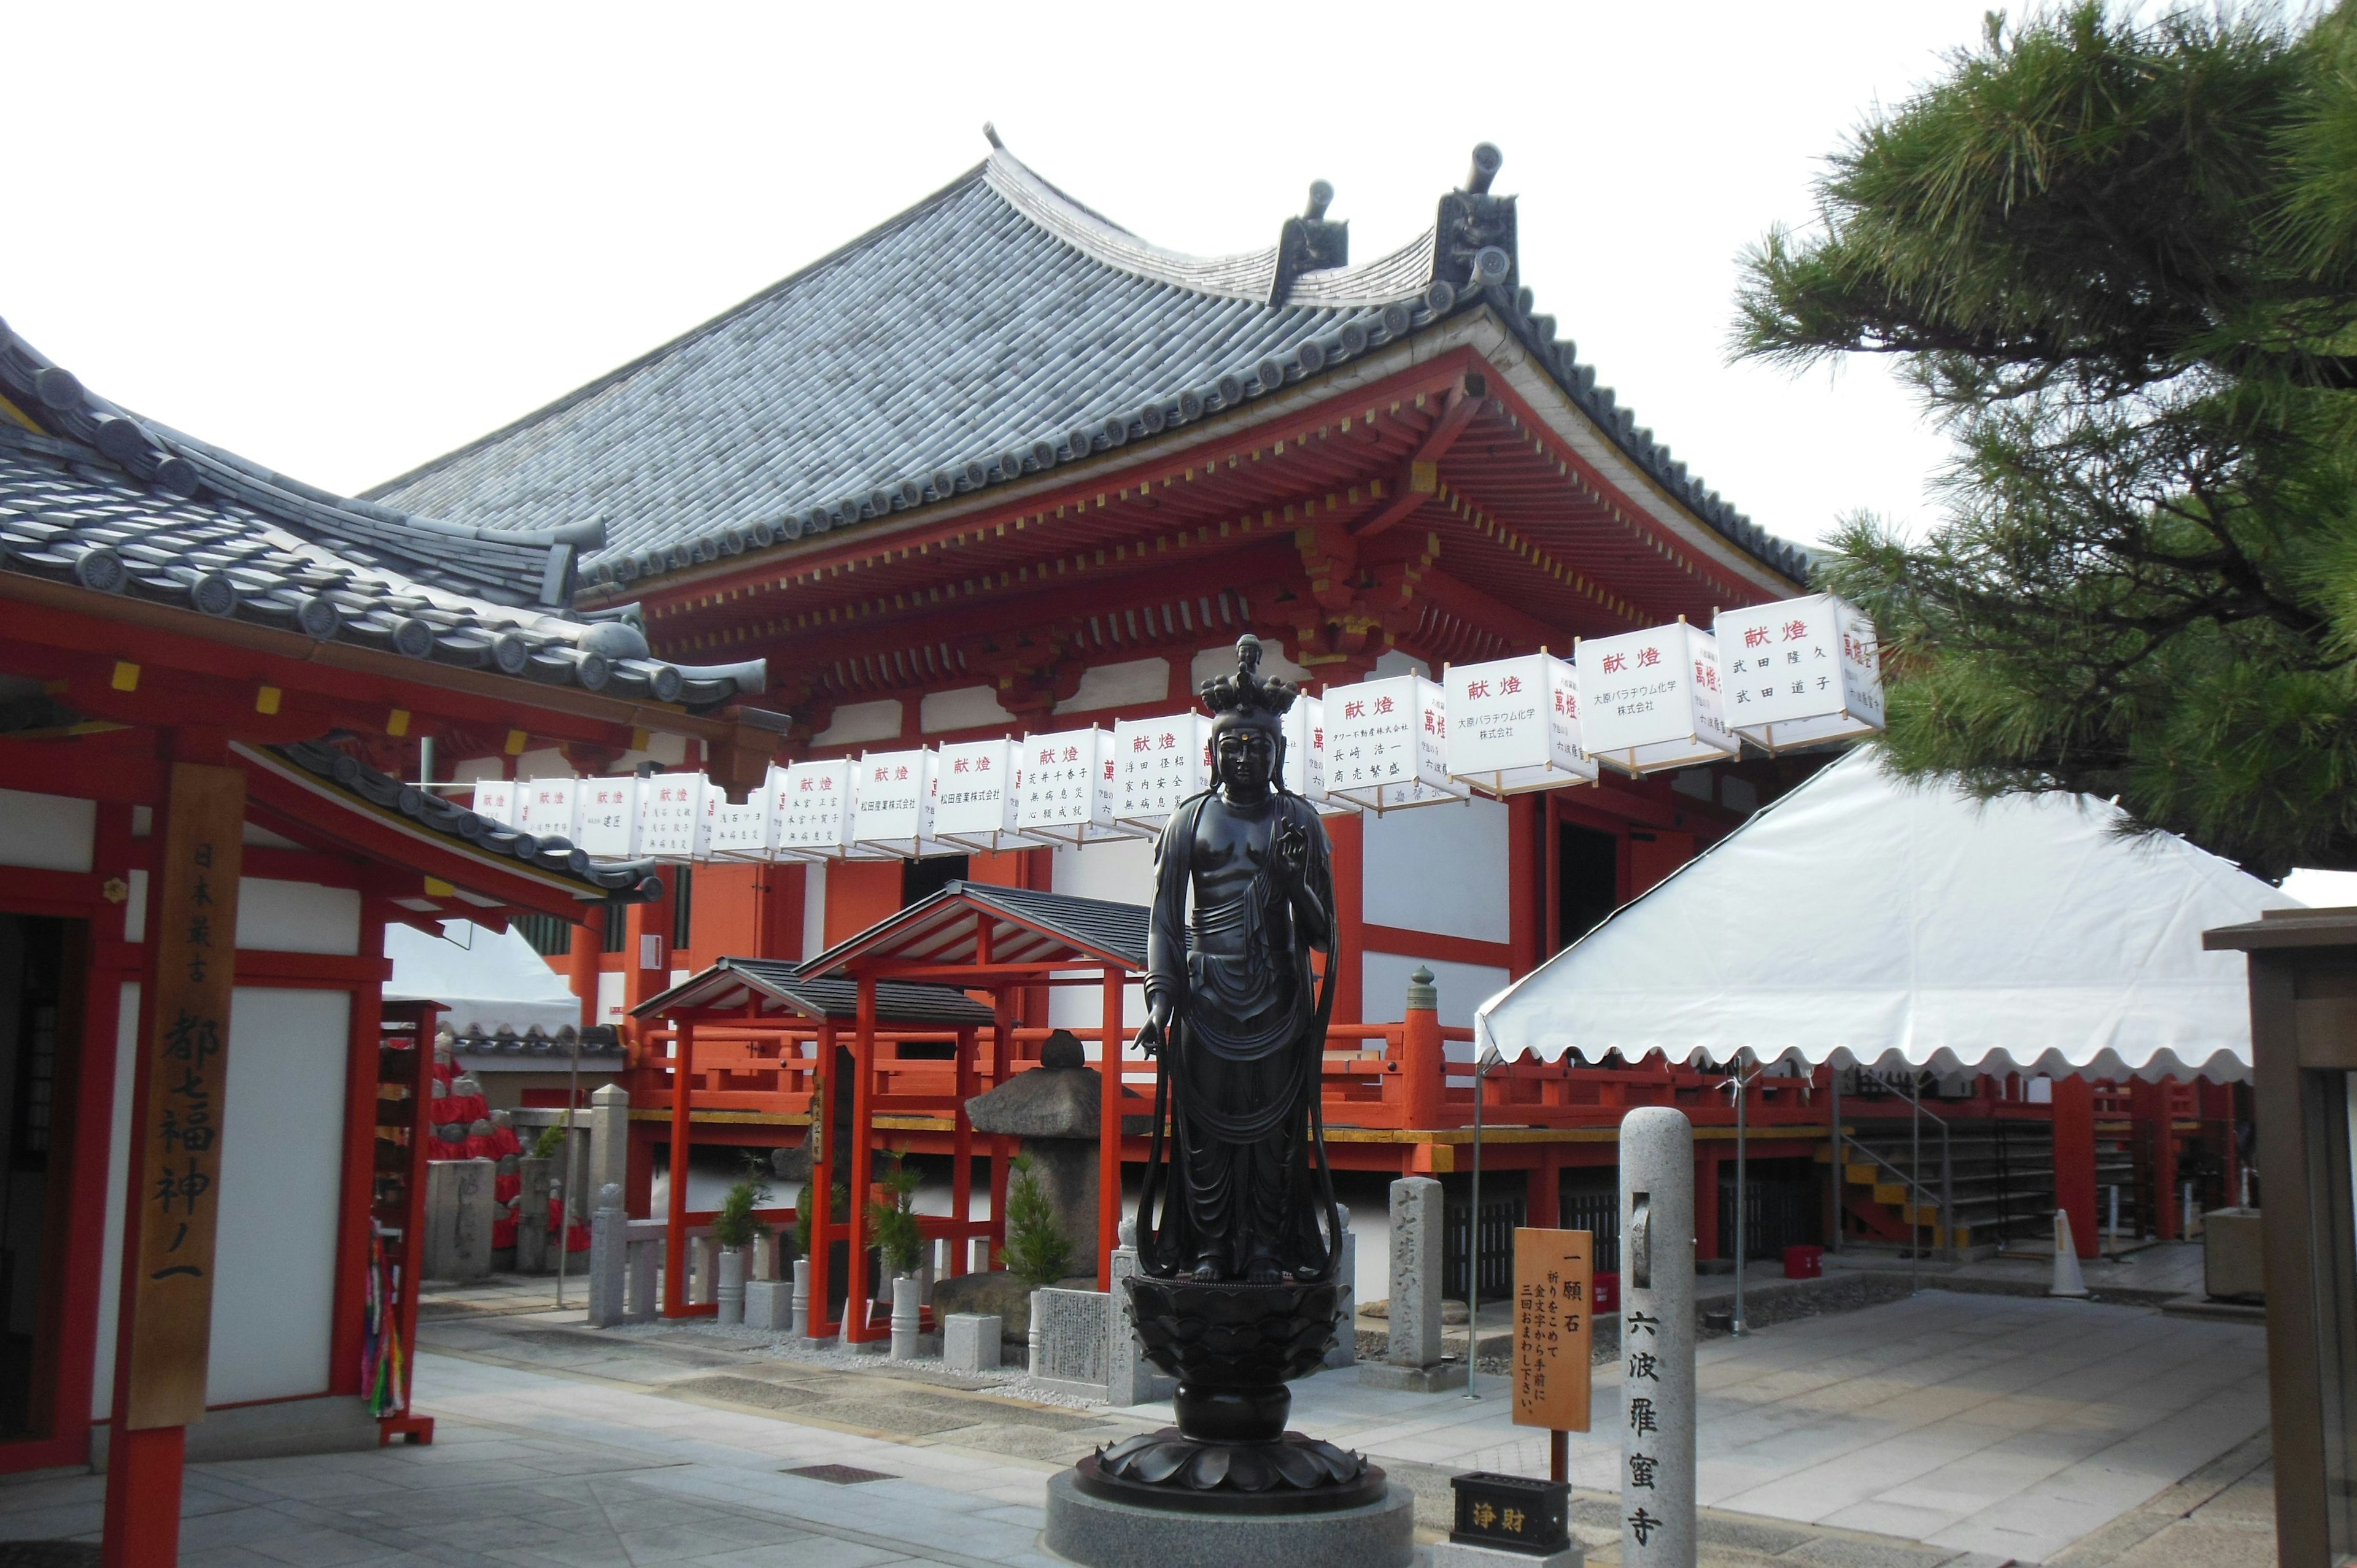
{"x":1420,"y":477}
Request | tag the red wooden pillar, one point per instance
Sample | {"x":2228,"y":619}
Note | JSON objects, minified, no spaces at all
{"x":822,"y":1243}
{"x":1109,"y":1056}
{"x":1002,"y":1148}
{"x":1422,"y":1063}
{"x":962,"y":1154}
{"x":682,"y":1095}
{"x":2156,"y":1133}
{"x":1708,"y":1158}
{"x":777,"y":910}
{"x":861,"y":1157}
{"x":1545,"y":1199}
{"x":2074,"y":1158}
{"x":365,"y":1032}
{"x":582,"y":966}
{"x":1349,"y":835}
{"x":1524,"y":839}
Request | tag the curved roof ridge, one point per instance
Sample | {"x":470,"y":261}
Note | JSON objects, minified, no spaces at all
{"x":1404,"y":274}
{"x":1247,"y":274}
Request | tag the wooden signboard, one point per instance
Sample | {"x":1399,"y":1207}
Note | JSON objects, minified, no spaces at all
{"x":1554,"y":1329}
{"x":178,"y":1195}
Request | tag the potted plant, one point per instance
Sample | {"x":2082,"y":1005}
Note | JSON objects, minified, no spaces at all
{"x":734,"y":1227}
{"x":900,"y":1247}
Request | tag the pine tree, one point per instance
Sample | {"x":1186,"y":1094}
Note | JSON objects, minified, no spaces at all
{"x":2118,"y":259}
{"x":1038,"y":1253}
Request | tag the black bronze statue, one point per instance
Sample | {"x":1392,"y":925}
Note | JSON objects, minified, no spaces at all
{"x":1237,"y":1016}
{"x":1237,"y":1225}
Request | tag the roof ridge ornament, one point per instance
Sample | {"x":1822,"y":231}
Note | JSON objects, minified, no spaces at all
{"x":990,"y":134}
{"x":1474,"y":232}
{"x":1309,"y":243}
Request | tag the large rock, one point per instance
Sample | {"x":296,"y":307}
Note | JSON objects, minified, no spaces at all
{"x":999,"y":1294}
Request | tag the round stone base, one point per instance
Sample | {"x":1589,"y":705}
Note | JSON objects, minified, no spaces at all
{"x":1100,"y":1533}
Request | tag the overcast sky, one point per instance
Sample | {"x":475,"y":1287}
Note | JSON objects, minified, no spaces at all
{"x":343,"y":240}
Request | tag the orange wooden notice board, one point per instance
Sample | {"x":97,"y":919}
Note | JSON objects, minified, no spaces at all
{"x":1555,"y":1332}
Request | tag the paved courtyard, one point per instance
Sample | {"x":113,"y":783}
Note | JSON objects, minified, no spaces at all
{"x":1947,"y":1429}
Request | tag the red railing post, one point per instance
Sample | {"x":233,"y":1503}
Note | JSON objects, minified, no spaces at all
{"x":1422,"y":1062}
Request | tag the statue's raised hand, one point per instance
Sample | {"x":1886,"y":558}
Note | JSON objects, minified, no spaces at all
{"x":1290,"y":854}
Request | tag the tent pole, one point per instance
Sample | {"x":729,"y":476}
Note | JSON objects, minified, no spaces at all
{"x":1841,"y":1154}
{"x":1915,"y":1194}
{"x":1742,"y":1192}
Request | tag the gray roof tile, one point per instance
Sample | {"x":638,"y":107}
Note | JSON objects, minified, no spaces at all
{"x":996,"y":329}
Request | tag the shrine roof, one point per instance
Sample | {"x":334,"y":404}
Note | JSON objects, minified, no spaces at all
{"x":729,"y":983}
{"x":419,"y":815}
{"x":997,"y":330}
{"x":1026,"y":926}
{"x":94,"y":496}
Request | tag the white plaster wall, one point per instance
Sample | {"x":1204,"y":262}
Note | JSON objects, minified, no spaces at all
{"x":1119,"y":685}
{"x":1440,"y":868}
{"x":968,"y":707}
{"x":1462,"y":986}
{"x":297,"y":916}
{"x":281,"y":1188}
{"x":855,"y":722}
{"x":118,"y":1177}
{"x":46,"y":833}
{"x":1121,"y":871}
{"x":813,"y":909}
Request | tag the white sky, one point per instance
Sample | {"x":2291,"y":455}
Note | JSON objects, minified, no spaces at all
{"x":343,"y":240}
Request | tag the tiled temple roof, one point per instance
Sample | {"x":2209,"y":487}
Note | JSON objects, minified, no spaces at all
{"x":92,"y":495}
{"x":997,"y":330}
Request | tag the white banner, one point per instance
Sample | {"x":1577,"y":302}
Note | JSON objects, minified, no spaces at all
{"x":1156,"y":763}
{"x":1387,"y":743}
{"x":610,"y":818}
{"x":975,"y":798}
{"x":744,"y":832}
{"x":1801,"y":672}
{"x":1305,"y":757}
{"x":1650,"y":700}
{"x":1066,"y":780}
{"x":1517,"y":725}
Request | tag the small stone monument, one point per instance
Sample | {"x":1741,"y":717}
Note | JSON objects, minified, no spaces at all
{"x":459,"y":1204}
{"x":1071,"y":1348}
{"x":970,"y":1342}
{"x":1131,"y":1379}
{"x":1414,"y":1361}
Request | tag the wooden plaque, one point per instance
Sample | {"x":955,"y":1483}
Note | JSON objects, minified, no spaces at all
{"x":178,"y":1199}
{"x":1554,"y":1331}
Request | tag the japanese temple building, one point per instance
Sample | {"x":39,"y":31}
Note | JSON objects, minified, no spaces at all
{"x":217,"y":687}
{"x":1001,"y":467}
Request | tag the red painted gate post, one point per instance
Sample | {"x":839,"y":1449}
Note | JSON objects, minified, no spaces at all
{"x":1109,"y":1057}
{"x":1421,"y":1058}
{"x":2074,"y":1158}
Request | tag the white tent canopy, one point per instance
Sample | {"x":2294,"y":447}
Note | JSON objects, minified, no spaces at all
{"x":491,"y":980}
{"x":1863,"y":918}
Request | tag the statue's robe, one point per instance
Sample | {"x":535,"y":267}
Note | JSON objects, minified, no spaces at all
{"x":1246,"y":1175}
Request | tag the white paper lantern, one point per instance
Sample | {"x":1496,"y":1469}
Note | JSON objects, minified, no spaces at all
{"x":1156,"y":763}
{"x":814,"y":811}
{"x":1066,"y":780}
{"x":1387,"y":743}
{"x":893,"y":804}
{"x":609,"y":817}
{"x":1515,"y":725}
{"x":671,"y":815}
{"x":1800,"y":672}
{"x":495,"y":799}
{"x":1305,"y":757}
{"x":744,"y":832}
{"x":545,"y":809}
{"x":975,"y":796}
{"x":1650,"y":700}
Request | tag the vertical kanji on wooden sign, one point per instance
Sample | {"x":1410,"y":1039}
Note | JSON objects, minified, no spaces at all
{"x":1555,"y":1328}
{"x":179,"y":1192}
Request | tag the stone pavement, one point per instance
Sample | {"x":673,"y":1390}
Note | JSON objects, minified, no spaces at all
{"x":1948,"y":1429}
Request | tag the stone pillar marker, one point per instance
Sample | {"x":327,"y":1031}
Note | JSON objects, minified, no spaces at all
{"x":459,"y":1205}
{"x":609,"y":1139}
{"x":608,"y":1255}
{"x":1413,"y":1359}
{"x":1657,"y":1339}
{"x":970,"y":1342}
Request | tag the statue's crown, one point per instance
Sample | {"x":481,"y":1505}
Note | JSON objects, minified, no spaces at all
{"x":1247,"y":692}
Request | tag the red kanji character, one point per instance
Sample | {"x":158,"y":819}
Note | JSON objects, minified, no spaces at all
{"x":1072,"y":754}
{"x":1477,"y":688}
{"x":1753,"y":636}
{"x":1795,"y":629}
{"x":1384,"y":705}
{"x":1510,"y":685}
{"x":1354,"y":710}
{"x":1615,"y":662}
{"x":1648,"y":657}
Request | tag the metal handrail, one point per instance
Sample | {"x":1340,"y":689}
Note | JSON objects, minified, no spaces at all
{"x":1947,"y":1201}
